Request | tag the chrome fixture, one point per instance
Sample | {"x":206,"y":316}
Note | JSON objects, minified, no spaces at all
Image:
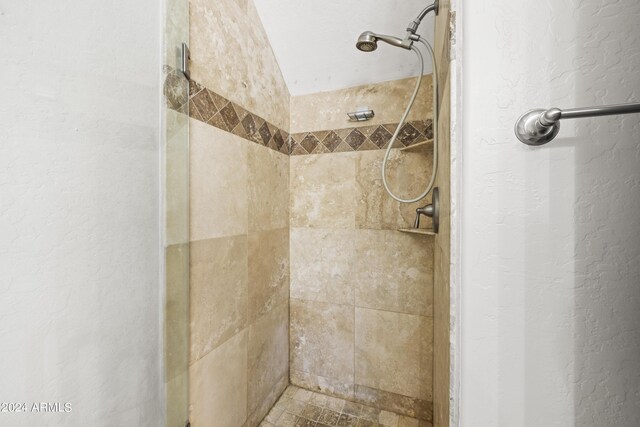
{"x":361,"y":115}
{"x":185,"y":56}
{"x":538,"y":127}
{"x":413,"y":26}
{"x":431,"y":210}
{"x":368,"y":41}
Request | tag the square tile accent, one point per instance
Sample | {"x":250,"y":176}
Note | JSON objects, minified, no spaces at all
{"x":300,"y":407}
{"x":360,"y":138}
{"x":209,"y":107}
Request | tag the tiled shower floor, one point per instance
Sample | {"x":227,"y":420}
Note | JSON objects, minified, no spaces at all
{"x":302,"y":408}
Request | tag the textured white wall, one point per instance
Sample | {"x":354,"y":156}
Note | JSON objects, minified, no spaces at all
{"x":550,"y":309}
{"x":79,"y":211}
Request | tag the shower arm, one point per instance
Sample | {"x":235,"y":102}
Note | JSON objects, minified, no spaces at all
{"x":413,"y":25}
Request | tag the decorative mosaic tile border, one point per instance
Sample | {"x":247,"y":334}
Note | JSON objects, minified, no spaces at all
{"x":216,"y":110}
{"x":209,"y":107}
{"x":360,"y":138}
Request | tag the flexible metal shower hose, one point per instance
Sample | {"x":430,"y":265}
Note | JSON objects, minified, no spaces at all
{"x":404,"y":119}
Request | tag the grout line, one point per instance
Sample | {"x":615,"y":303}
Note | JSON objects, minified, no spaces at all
{"x":361,"y":307}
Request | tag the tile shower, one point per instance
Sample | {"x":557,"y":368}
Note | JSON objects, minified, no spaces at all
{"x":299,"y":274}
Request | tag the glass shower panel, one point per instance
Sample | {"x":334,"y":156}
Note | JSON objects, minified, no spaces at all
{"x":176,"y":209}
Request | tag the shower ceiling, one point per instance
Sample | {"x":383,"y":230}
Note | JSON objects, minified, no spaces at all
{"x":314,"y":41}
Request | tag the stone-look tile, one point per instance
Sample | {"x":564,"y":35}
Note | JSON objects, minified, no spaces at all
{"x":407,"y":174}
{"x":268,"y":266}
{"x":355,"y":139}
{"x":316,"y":327}
{"x":330,"y":386}
{"x":347,"y":421}
{"x":227,"y":39}
{"x":287,"y":419}
{"x":204,"y":105}
{"x":268,"y":361}
{"x":230,"y":116}
{"x":296,"y":406}
{"x":218,"y":177}
{"x":311,"y":412}
{"x":323,"y":190}
{"x":329,"y":417}
{"x":388,"y":419}
{"x":364,"y":413}
{"x":394,"y":352}
{"x":380,"y":137}
{"x":219,"y":292}
{"x":328,"y":110}
{"x":274,"y":415}
{"x":331,"y":141}
{"x":303,"y":422}
{"x":327,"y":411}
{"x":394,"y":271}
{"x":218,"y":385}
{"x":268,"y":188}
{"x":408,"y":422}
{"x":408,"y":134}
{"x":395,"y":403}
{"x":322,"y":265}
{"x":309,"y":142}
{"x":207,"y":106}
{"x":302,"y":395}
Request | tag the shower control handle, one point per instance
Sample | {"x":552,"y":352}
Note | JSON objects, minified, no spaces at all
{"x":431,"y":210}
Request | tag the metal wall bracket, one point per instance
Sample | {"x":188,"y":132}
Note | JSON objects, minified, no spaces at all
{"x":539,"y":126}
{"x":185,"y":56}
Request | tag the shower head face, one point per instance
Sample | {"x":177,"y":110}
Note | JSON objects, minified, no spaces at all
{"x":367,"y":42}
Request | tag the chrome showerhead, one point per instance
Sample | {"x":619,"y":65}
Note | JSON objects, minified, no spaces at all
{"x":368,"y":41}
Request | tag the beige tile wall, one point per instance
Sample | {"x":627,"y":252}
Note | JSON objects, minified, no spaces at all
{"x":239,"y":225}
{"x":361,"y":291}
{"x":239,"y":278}
{"x":328,"y":110}
{"x":231,"y":54}
{"x":297,"y":265}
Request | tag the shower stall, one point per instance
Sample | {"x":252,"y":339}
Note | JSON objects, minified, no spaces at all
{"x":299,"y":289}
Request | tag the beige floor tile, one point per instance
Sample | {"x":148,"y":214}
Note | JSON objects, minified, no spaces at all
{"x":287,"y":419}
{"x":302,"y":395}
